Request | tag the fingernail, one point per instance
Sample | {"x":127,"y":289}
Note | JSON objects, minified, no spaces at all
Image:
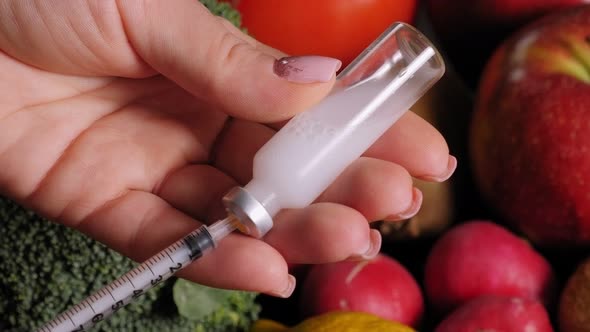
{"x":285,"y":293}
{"x":451,"y":166}
{"x":374,"y":246}
{"x":412,"y":210}
{"x":307,"y":69}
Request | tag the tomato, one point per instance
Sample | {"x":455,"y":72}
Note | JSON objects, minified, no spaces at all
{"x":336,"y":28}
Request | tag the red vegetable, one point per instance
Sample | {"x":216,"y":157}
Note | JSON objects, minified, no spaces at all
{"x":381,"y":286}
{"x":483,"y":258}
{"x":336,"y":28}
{"x":495,"y":313}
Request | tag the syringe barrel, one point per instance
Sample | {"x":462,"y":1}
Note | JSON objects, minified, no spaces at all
{"x":302,"y":159}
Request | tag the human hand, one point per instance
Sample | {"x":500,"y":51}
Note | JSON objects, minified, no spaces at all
{"x":129,"y":120}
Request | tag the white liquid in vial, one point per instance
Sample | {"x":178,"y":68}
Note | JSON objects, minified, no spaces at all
{"x":305,"y":156}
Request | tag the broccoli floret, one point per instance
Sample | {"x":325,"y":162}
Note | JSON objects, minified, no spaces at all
{"x":224,"y":9}
{"x":47,"y":267}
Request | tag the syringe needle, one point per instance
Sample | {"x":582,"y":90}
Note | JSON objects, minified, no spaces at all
{"x":109,"y":299}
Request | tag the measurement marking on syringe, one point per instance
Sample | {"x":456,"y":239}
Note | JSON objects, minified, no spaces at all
{"x":137,"y":271}
{"x":71,"y":320}
{"x":150,"y":270}
{"x":131,"y":282}
{"x":103,"y":292}
{"x":111,"y":294}
{"x":167,"y":254}
{"x":90,"y":305}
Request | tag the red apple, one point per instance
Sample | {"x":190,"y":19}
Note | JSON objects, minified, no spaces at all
{"x":530,"y":135}
{"x":381,"y":286}
{"x":479,"y":258}
{"x":470,"y":30}
{"x":496,"y":313}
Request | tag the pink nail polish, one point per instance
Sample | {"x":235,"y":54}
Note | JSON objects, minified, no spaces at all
{"x":412,"y":210}
{"x":307,"y":69}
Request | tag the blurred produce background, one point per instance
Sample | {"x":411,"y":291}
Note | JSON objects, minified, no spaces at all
{"x":518,"y":126}
{"x":502,"y":245}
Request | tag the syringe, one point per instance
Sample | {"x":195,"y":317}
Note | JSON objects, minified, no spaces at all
{"x":296,"y":165}
{"x":107,"y":300}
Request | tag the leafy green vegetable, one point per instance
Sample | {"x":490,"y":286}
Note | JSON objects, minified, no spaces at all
{"x":195,"y":301}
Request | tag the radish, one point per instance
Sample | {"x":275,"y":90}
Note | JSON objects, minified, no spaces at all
{"x":483,"y":258}
{"x":381,"y":286}
{"x":498,"y":313}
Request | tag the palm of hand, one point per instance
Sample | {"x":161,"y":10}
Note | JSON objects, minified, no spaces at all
{"x":109,"y":155}
{"x":78,"y":147}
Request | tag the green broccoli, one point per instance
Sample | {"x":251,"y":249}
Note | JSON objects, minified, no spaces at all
{"x":47,"y":267}
{"x":224,"y":9}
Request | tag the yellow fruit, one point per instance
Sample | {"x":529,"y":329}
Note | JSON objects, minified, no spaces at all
{"x":341,"y":321}
{"x":267,"y":325}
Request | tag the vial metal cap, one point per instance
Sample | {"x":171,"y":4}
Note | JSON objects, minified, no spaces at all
{"x":256,"y":221}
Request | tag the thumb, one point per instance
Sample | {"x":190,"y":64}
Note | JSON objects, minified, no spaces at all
{"x":212,"y":59}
